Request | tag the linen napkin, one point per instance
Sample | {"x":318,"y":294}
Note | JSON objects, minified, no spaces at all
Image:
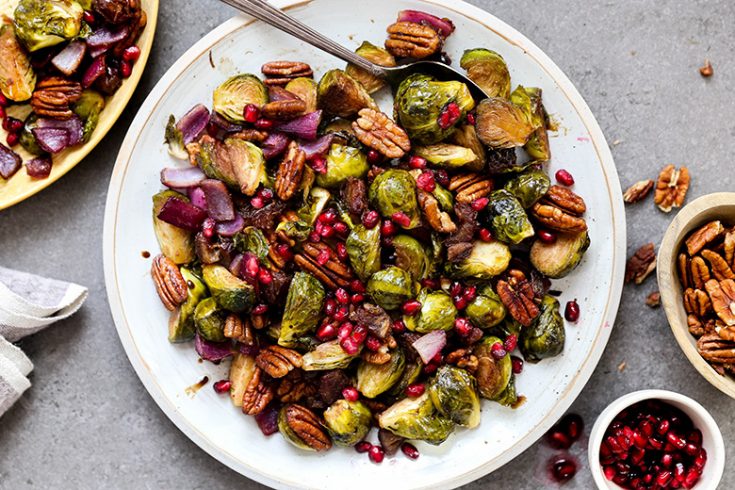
{"x":28,"y":303}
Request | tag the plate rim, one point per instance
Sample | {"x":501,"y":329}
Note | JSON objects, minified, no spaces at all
{"x":597,"y":138}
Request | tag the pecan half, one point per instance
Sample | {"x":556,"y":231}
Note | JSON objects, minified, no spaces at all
{"x":703,"y":236}
{"x":284,"y":109}
{"x":695,"y":325}
{"x":290,"y":172}
{"x":697,"y":302}
{"x":725,"y":333}
{"x":170,"y":284}
{"x":281,"y":72}
{"x":720,"y":268}
{"x":566,"y":200}
{"x":722,"y":295}
{"x":729,"y":248}
{"x":412,"y":40}
{"x":306,"y":426}
{"x":561,"y":209}
{"x":641,"y":264}
{"x":518,"y":296}
{"x":54,"y":96}
{"x":715,"y":349}
{"x":463,"y":358}
{"x":376,"y":130}
{"x":684,"y":267}
{"x":653,"y":300}
{"x":638,"y":191}
{"x":253,"y":135}
{"x":699,"y":272}
{"x":278,"y":361}
{"x":294,"y":387}
{"x":470,"y":186}
{"x":258,"y":394}
{"x":333,"y":273}
{"x":439,"y":220}
{"x":239,"y":330}
{"x":378,"y":357}
{"x":671,"y":188}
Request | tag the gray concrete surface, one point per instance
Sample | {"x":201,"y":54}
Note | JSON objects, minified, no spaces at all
{"x":88,"y":423}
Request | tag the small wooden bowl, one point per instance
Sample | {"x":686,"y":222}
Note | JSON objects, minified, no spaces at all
{"x":720,"y":205}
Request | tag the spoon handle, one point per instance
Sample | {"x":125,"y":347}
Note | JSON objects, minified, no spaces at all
{"x":280,"y":20}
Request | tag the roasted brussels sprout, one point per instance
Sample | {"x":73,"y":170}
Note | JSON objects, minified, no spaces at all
{"x":231,"y":293}
{"x":492,"y":375}
{"x":343,"y":162}
{"x":27,"y":140}
{"x":419,"y":102}
{"x":529,"y":100}
{"x":488,"y":70}
{"x":410,"y":374}
{"x":43,"y":23}
{"x":88,"y":108}
{"x":466,"y":136}
{"x":326,"y":356}
{"x":374,"y":379}
{"x":418,"y":419}
{"x":445,"y":155}
{"x":347,"y":422}
{"x":235,"y":93}
{"x":528,"y":187}
{"x":507,"y":219}
{"x":509,"y":396}
{"x":17,"y":78}
{"x":209,"y":319}
{"x":181,"y":323}
{"x":252,"y":240}
{"x":558,"y":259}
{"x":377,"y":55}
{"x":391,"y":287}
{"x":305,"y":89}
{"x":238,"y":163}
{"x":413,"y":257}
{"x":314,"y":204}
{"x":545,"y":338}
{"x":363,"y":250}
{"x":500,"y":124}
{"x":444,"y":198}
{"x":453,"y":392}
{"x":487,"y":260}
{"x":242,"y":371}
{"x":341,"y":95}
{"x":303,"y":309}
{"x":176,"y":243}
{"x":393,"y":191}
{"x":486,"y":310}
{"x":437,"y":312}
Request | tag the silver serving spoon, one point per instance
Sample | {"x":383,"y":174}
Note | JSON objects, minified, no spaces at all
{"x":271,"y":15}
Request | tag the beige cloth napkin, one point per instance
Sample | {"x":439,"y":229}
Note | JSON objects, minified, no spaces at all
{"x":28,"y":303}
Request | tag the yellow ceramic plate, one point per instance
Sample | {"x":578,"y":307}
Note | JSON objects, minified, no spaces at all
{"x":21,"y":186}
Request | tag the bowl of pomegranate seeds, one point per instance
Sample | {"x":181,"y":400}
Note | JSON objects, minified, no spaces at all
{"x":656,"y":439}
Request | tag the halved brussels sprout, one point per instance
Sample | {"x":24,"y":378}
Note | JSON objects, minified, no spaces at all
{"x":492,"y":375}
{"x":209,"y":319}
{"x":529,"y":100}
{"x":176,"y":243}
{"x":343,"y":162}
{"x":242,"y":371}
{"x":341,"y":95}
{"x":412,"y":257}
{"x":88,"y":108}
{"x":374,"y":379}
{"x":509,"y":396}
{"x":509,"y":326}
{"x":363,"y":249}
{"x":174,"y":139}
{"x":453,"y":393}
{"x":546,"y":337}
{"x":417,"y":419}
{"x":377,"y":55}
{"x":231,"y":97}
{"x":43,"y":23}
{"x":467,"y":136}
{"x":313,"y":205}
{"x":487,"y":260}
{"x":326,"y":356}
{"x":305,"y":89}
{"x":238,"y":163}
{"x":395,"y":190}
{"x":419,"y":102}
{"x":347,"y":422}
{"x":17,"y":78}
{"x":252,"y":240}
{"x":486,"y":310}
{"x":303,"y":309}
{"x":391,"y":287}
{"x":27,"y":140}
{"x":558,"y":259}
{"x":444,"y":198}
{"x":231,"y":293}
{"x":437,"y":312}
{"x":181,"y":322}
{"x":528,"y":187}
{"x":291,"y":435}
{"x":488,"y":70}
{"x":507,"y":219}
{"x":409,"y":376}
{"x":500,"y":124}
{"x":445,"y":155}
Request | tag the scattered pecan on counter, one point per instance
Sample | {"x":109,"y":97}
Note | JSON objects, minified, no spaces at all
{"x":638,"y":191}
{"x":671,"y":188}
{"x":641,"y":264}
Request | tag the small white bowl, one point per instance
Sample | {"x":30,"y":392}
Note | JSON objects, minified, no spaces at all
{"x":702,"y":420}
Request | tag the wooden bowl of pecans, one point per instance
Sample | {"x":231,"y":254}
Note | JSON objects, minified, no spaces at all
{"x":697,"y":284}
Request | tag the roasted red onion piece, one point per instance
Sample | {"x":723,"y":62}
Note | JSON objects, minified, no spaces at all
{"x":274,"y":145}
{"x":211,"y":351}
{"x":39,"y":168}
{"x":223,"y":124}
{"x":69,"y":58}
{"x":94,"y":71}
{"x":197,"y":198}
{"x":303,"y":127}
{"x":444,"y":27}
{"x":182,"y":214}
{"x":430,"y":344}
{"x":219,"y":201}
{"x":52,"y":140}
{"x":181,"y":178}
{"x":73,"y":126}
{"x":106,"y":38}
{"x":317,"y":147}
{"x":10,"y":162}
{"x":230,"y":228}
{"x":193,"y":123}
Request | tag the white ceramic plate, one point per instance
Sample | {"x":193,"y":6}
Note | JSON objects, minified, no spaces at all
{"x":210,"y":420}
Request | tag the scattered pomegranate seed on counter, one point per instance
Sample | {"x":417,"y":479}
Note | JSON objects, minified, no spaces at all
{"x":562,"y":468}
{"x":564,"y":178}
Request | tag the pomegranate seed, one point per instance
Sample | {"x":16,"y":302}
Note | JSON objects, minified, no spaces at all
{"x":471,"y":119}
{"x":449,"y":115}
{"x":363,"y":446}
{"x":3,"y":114}
{"x":89,"y":17}
{"x":546,"y":236}
{"x":701,"y":459}
{"x":345,"y":330}
{"x":341,"y":228}
{"x":284,"y":251}
{"x":208,"y":228}
{"x":387,"y":229}
{"x":131,"y":54}
{"x":691,"y":449}
{"x":264,"y":276}
{"x":257,"y":202}
{"x":401,"y":218}
{"x":326,"y":332}
{"x":640,"y":440}
{"x":442,"y":177}
{"x":411,"y":307}
{"x":429,"y":283}
{"x":350,"y":394}
{"x":609,"y":472}
{"x":319,"y":164}
{"x":376,"y":454}
{"x":497,"y":351}
{"x":571,"y":311}
{"x":415,"y":390}
{"x":438,"y":358}
{"x":341,"y":314}
{"x":470,"y":293}
{"x":356,"y":286}
{"x":13,"y":139}
{"x":341,"y":250}
{"x":3,"y":100}
{"x":410,"y":450}
{"x":663,"y":427}
{"x":573,"y":425}
{"x":480,"y":204}
{"x":359,"y":334}
{"x":676,"y":441}
{"x":370,"y":219}
{"x":417,"y":162}
{"x":373,"y":344}
{"x":691,"y":478}
{"x":251,"y":113}
{"x":260,"y":309}
{"x":12,"y":125}
{"x":342,"y":296}
{"x":695,"y":437}
{"x":264,"y":124}
{"x":323,"y":257}
{"x":485,"y":235}
{"x":679,"y":471}
{"x":430,"y":368}
{"x":265,"y":194}
{"x":399,"y":326}
{"x":327,"y":231}
{"x":373,"y":157}
{"x":664,"y":478}
{"x":456,"y":289}
{"x":517,"y":365}
{"x":251,"y":266}
{"x":564,"y":177}
{"x":314,"y":237}
{"x":459,"y":302}
{"x":328,"y":217}
{"x":510,"y":343}
{"x":222,"y":386}
{"x":357,"y":298}
{"x":563,"y":469}
{"x":349,"y":346}
{"x":126,"y":69}
{"x":330,"y":307}
{"x":558,"y":439}
{"x":426,"y":181}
